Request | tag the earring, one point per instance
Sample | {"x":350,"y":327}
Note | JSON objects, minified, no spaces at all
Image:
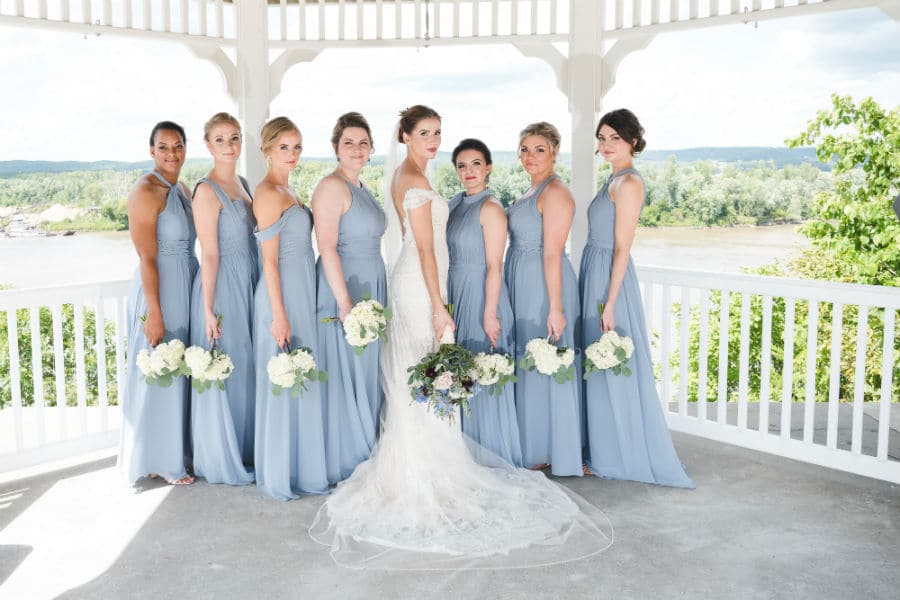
{"x":268,"y":162}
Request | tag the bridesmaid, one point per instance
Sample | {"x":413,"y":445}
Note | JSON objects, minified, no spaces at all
{"x":154,"y":419}
{"x":627,"y":433}
{"x":222,"y":420}
{"x":476,"y":237}
{"x":549,"y":413}
{"x":290,"y":444}
{"x":349,"y":224}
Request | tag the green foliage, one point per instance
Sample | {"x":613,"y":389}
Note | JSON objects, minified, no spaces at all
{"x":48,"y":360}
{"x":854,"y":227}
{"x":855,"y":239}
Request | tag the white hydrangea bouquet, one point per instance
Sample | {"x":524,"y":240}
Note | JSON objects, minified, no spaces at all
{"x":494,"y":370}
{"x":366,"y":323}
{"x":207,"y":367}
{"x":291,"y":370}
{"x":611,"y":351}
{"x":164,"y":363}
{"x":547,"y":359}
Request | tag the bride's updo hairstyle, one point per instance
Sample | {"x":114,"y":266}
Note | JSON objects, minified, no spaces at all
{"x":273,"y":129}
{"x":219,"y":119}
{"x":546,"y":131}
{"x":347,"y":120}
{"x":411,"y":117}
{"x":627,"y":126}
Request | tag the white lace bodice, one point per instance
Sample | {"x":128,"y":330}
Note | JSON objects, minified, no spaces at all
{"x":408,"y":269}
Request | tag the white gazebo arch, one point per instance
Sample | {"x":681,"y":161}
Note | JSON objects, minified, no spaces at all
{"x":254,"y":42}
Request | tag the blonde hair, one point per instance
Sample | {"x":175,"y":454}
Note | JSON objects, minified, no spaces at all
{"x":273,"y":129}
{"x":218,"y":119}
{"x":546,"y":131}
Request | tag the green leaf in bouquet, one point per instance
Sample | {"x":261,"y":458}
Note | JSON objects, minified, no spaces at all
{"x":329,"y":319}
{"x":359,"y":350}
{"x":220,"y":385}
{"x":164,"y":380}
{"x":388,"y":313}
{"x":276,"y":390}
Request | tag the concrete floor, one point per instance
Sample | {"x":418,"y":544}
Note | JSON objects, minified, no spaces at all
{"x":757,"y":526}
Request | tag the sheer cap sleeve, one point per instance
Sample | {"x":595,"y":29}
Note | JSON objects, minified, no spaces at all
{"x":416,"y":197}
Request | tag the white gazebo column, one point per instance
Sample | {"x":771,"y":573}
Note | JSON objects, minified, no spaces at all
{"x":583,"y":74}
{"x":252,"y":91}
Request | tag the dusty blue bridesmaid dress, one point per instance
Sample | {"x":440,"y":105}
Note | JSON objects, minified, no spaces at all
{"x":352,"y":396}
{"x":289,"y":452}
{"x":492,"y":421}
{"x":549,"y":413}
{"x":222,"y":420}
{"x":155,"y":419}
{"x":627,"y":433}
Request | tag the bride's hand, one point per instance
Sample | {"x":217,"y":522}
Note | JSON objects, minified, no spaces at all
{"x":441,"y":320}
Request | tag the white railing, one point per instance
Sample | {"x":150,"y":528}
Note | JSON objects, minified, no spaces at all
{"x":332,"y":23}
{"x":808,"y":417}
{"x":764,"y":395}
{"x":49,"y":414}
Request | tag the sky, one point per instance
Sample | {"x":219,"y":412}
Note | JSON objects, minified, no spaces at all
{"x":67,"y":96}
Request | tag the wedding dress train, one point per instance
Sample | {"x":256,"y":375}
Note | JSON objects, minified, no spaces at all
{"x":429,"y":498}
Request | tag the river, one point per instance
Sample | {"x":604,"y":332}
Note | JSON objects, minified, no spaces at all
{"x":89,"y":257}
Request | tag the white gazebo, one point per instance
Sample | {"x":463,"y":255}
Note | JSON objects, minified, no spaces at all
{"x":757,"y":523}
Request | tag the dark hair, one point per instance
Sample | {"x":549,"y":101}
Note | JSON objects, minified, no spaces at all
{"x":626,"y":125}
{"x":411,"y":116}
{"x":472,"y":144}
{"x":346,"y":120}
{"x":167,"y":126}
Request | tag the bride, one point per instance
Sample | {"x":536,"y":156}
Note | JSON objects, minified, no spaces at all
{"x":428,"y":497}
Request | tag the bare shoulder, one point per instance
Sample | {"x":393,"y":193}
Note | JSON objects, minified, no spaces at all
{"x":205,"y":195}
{"x":147,"y":192}
{"x":628,"y":187}
{"x":493,"y":210}
{"x":331,"y":185}
{"x":557,"y":193}
{"x":269,"y":202}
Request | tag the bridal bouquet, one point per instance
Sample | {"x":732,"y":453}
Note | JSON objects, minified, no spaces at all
{"x":547,"y":359}
{"x":611,"y":351}
{"x":207,"y":367}
{"x":366,"y":323}
{"x":494,"y":371}
{"x":163,"y":363}
{"x":292,"y":369}
{"x":444,"y":380}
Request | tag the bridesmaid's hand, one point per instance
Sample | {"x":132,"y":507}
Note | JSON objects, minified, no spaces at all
{"x":441,"y":320}
{"x":556,"y":324}
{"x":344,"y":309}
{"x":492,"y":328}
{"x":154,"y":329}
{"x":213,"y":331}
{"x":281,"y":331}
{"x":608,"y":318}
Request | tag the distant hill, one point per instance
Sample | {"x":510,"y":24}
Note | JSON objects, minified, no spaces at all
{"x":740,"y":155}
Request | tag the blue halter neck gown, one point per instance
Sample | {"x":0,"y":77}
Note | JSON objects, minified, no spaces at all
{"x":492,"y":421}
{"x":290,"y":442}
{"x":549,"y":413}
{"x":627,"y":433}
{"x":222,"y":420}
{"x":155,"y":419}
{"x":352,"y":396}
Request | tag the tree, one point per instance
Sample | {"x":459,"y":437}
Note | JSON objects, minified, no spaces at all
{"x":853,"y":225}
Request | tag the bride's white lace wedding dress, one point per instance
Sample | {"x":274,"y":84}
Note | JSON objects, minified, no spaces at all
{"x":428,"y":497}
